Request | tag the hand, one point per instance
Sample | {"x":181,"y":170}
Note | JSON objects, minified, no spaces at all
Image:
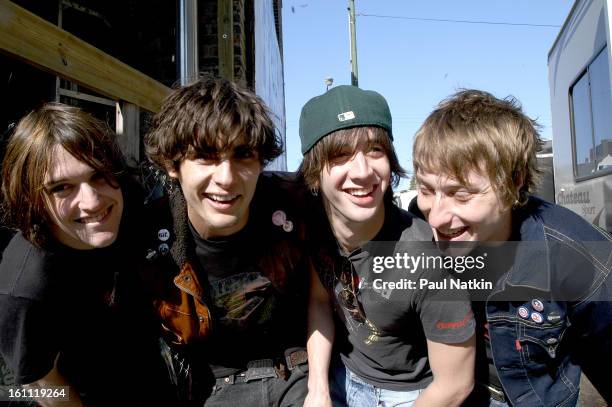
{"x":317,"y":399}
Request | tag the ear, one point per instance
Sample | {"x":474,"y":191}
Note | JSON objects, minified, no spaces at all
{"x":171,"y":170}
{"x":519,"y":182}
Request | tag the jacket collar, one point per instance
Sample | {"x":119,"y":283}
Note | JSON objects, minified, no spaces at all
{"x":531,"y":265}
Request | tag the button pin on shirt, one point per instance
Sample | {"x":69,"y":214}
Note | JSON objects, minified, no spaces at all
{"x":537,"y":305}
{"x":163,"y":235}
{"x":164,"y":248}
{"x":279,"y":218}
{"x":537,"y":317}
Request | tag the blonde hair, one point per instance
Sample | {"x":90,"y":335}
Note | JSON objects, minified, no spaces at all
{"x":474,"y":131}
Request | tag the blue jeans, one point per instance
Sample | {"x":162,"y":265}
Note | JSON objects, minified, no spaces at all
{"x":271,"y":391}
{"x":349,"y":390}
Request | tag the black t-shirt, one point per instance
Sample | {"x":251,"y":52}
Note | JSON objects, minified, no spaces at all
{"x":83,"y":306}
{"x":389,"y":349}
{"x":243,"y":301}
{"x":253,"y":318}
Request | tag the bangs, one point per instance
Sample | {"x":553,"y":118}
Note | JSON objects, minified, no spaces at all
{"x":338,"y":143}
{"x":452,"y":152}
{"x":353,"y":139}
{"x":210,"y":138}
{"x":211,"y":116}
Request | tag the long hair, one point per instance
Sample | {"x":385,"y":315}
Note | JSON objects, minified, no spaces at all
{"x":28,"y":159}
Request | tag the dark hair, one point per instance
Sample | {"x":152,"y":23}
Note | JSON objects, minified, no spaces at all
{"x":28,"y":159}
{"x":327,"y":148}
{"x":211,"y":114}
{"x":474,"y":131}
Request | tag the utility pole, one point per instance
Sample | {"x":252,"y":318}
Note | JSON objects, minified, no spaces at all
{"x":353,"y":39}
{"x":188,"y":41}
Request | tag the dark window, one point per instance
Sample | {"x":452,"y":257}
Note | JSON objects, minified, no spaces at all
{"x":591,"y":105}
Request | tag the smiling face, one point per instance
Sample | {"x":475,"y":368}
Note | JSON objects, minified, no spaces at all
{"x":84,"y":208}
{"x":353,"y":185}
{"x":458,"y":212}
{"x":218,"y":188}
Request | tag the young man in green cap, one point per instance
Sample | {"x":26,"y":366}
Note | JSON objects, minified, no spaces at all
{"x":397,"y":347}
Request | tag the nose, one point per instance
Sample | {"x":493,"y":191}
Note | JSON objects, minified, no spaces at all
{"x":224,"y":173}
{"x":440,"y":211}
{"x":89,"y":198}
{"x":360,"y":167}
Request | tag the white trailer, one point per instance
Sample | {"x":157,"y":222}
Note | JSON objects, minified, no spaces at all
{"x":579,"y":77}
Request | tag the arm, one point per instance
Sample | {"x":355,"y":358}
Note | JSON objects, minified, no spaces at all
{"x":452,"y":366}
{"x":54,"y":379}
{"x":319,"y":345}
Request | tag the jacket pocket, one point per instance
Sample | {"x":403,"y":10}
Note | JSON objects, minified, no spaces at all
{"x":541,"y":344}
{"x":185,"y":324}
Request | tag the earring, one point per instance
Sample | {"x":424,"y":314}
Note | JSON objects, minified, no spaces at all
{"x":314,"y":191}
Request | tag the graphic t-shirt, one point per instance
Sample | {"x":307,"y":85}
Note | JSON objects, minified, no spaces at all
{"x":388,"y":348}
{"x":253,"y":319}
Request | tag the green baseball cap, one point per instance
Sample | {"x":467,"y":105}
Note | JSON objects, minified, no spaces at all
{"x":342,"y":107}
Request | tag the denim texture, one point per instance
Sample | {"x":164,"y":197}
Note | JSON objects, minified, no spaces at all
{"x":347,"y":389}
{"x":539,"y":364}
{"x":264,"y":392}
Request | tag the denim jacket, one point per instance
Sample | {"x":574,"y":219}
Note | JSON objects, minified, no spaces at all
{"x":566,"y":276}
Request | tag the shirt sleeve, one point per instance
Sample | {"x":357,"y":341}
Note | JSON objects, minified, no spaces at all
{"x":26,"y":343}
{"x":446,"y":313}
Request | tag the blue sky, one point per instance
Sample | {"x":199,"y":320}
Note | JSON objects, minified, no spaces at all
{"x":414,"y":63}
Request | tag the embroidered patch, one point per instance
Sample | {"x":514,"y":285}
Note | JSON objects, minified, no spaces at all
{"x":342,"y":117}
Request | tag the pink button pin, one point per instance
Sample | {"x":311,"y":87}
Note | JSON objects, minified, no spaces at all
{"x":279,"y":218}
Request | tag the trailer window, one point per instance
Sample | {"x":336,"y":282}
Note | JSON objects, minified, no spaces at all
{"x":592,"y":122}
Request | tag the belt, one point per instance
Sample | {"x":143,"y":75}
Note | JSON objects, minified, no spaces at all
{"x":268,"y":368}
{"x":494,"y":392}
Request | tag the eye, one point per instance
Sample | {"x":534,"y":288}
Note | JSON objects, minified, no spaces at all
{"x":98,"y":177}
{"x":341,"y":156}
{"x":60,"y":190}
{"x":462,"y":195}
{"x":207,"y":157}
{"x":244,"y":153}
{"x":425,"y":190}
{"x":376,"y":151}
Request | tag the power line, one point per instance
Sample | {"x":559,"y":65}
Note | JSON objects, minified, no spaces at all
{"x":441,"y":20}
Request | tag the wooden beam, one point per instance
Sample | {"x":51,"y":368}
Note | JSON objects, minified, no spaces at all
{"x":225,"y":33}
{"x":40,"y":43}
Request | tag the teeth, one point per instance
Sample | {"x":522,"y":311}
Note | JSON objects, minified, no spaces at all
{"x":221,"y":198}
{"x":359,"y":192}
{"x":454,"y":233}
{"x":94,"y":219}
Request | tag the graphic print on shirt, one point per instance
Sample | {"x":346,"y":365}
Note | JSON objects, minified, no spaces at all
{"x":243,"y":299}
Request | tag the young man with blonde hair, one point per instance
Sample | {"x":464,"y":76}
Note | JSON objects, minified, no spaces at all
{"x":549,"y":315}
